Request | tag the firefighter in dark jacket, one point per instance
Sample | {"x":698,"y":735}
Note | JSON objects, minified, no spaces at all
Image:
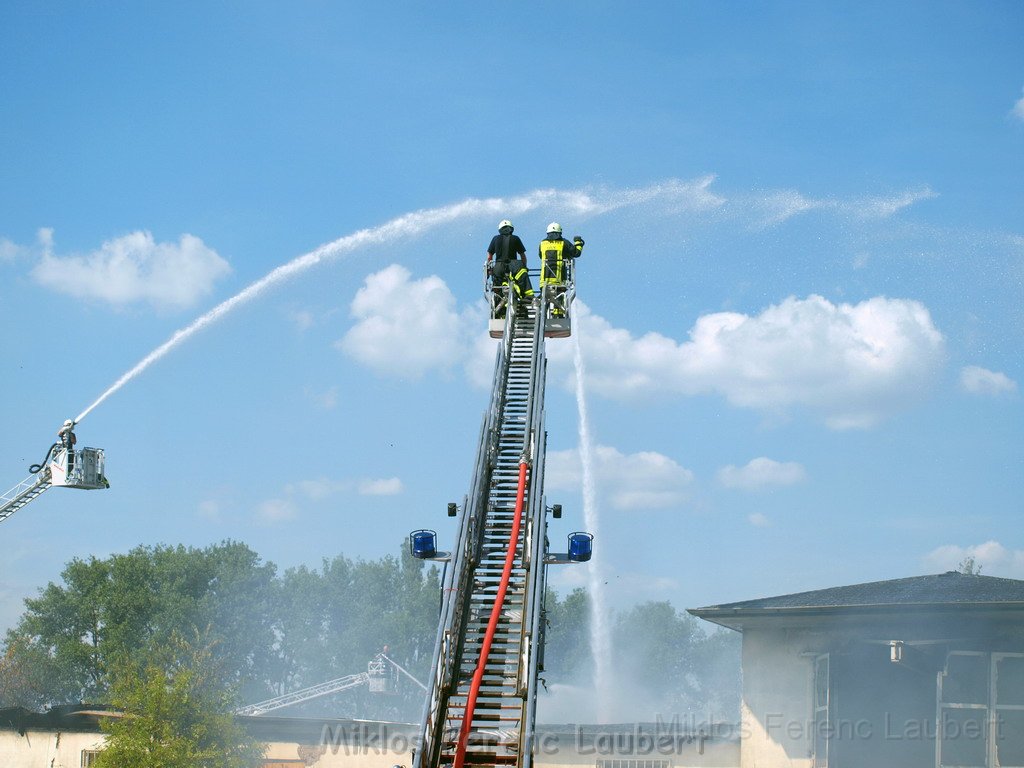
{"x":556,"y":254}
{"x":509,"y":262}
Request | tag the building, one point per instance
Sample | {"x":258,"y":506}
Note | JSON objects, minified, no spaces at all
{"x":909,"y":673}
{"x":70,"y":737}
{"x":923,"y":672}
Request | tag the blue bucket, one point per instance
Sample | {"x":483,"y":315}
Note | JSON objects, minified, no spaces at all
{"x":423,"y":544}
{"x":581,"y":546}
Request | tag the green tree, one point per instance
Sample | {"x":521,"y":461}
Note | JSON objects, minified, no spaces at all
{"x":566,"y":636}
{"x":175,"y":712}
{"x":105,"y":609}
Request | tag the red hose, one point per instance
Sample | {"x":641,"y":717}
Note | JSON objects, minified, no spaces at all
{"x":485,"y":649}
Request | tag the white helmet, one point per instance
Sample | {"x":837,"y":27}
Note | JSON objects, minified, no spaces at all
{"x":505,"y":223}
{"x":69,"y":423}
{"x":554,"y":226}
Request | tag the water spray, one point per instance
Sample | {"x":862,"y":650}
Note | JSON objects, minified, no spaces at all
{"x":405,"y":226}
{"x":600,"y":636}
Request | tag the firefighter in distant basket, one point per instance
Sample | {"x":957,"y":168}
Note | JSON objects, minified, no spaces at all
{"x":509,"y":262}
{"x":556,"y":254}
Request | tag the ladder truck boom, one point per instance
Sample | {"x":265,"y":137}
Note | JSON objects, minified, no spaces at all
{"x":481,"y":704}
{"x":375,"y":676}
{"x":63,"y":467}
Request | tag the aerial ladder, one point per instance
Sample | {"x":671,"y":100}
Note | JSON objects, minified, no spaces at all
{"x":63,"y":467}
{"x":376,"y":678}
{"x":488,"y":654}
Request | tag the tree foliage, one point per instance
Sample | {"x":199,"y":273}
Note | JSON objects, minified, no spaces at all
{"x":272,"y":633}
{"x":174,"y":711}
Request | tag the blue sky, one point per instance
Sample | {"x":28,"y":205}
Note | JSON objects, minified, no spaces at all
{"x":800,"y":303}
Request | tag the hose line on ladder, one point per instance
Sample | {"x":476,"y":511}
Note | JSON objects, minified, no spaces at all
{"x":38,"y":467}
{"x":492,"y":625}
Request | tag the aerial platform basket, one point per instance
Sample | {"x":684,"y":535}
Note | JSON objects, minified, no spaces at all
{"x":554,"y":301}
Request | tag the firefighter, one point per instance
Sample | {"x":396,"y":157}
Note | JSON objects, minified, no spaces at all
{"x":509,"y":256}
{"x":556,"y":269}
{"x":66,"y":434}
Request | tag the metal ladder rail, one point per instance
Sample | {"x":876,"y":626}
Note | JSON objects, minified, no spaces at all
{"x":502,"y":702}
{"x":28,"y":489}
{"x":533,"y":641}
{"x":448,"y":646}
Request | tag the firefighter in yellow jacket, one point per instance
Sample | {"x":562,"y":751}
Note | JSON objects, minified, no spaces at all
{"x":555,"y":259}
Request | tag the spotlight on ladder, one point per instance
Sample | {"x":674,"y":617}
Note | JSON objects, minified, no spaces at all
{"x":452,"y":508}
{"x":556,"y":511}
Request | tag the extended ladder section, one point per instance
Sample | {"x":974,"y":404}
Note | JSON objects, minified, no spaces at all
{"x":313,"y":692}
{"x":67,"y":469}
{"x":24,"y":492}
{"x":376,"y":677}
{"x":482,"y":698}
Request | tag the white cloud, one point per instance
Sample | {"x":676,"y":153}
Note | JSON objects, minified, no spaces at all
{"x":993,"y":558}
{"x":134,"y":268}
{"x":328,"y":399}
{"x":637,"y":481}
{"x":277,"y":511}
{"x":322,"y":488}
{"x":302,"y":319}
{"x":318,"y":489}
{"x":981,"y":381}
{"x":9,"y":251}
{"x":1018,"y":109}
{"x":761,"y":473}
{"x":406,"y":327}
{"x":210,"y":510}
{"x":853,"y":364}
{"x":390,"y":486}
{"x":758,"y":520}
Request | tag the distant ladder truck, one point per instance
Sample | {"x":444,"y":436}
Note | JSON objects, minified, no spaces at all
{"x":63,"y":467}
{"x":481,"y":704}
{"x":376,"y":678}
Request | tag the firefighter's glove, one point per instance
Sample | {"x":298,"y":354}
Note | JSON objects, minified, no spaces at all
{"x":578,"y":241}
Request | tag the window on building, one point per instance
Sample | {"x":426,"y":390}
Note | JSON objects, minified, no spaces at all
{"x":981,"y":710}
{"x":820,"y":737}
{"x":89,"y":757}
{"x":634,"y":764}
{"x":1008,"y":706}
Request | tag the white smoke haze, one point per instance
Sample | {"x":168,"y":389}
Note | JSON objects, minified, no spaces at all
{"x":981,"y":381}
{"x":135,"y":267}
{"x":853,"y":364}
{"x":761,"y":473}
{"x":993,"y":558}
